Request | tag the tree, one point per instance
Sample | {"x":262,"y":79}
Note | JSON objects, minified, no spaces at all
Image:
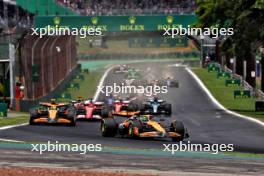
{"x":246,"y":17}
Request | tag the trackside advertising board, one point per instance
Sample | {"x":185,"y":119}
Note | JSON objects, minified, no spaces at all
{"x":116,"y":23}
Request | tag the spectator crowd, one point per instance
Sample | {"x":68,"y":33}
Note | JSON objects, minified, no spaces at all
{"x":130,"y":7}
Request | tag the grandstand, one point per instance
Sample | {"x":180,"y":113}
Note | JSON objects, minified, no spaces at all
{"x":130,"y":7}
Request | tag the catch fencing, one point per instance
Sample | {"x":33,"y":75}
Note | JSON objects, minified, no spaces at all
{"x":45,"y":63}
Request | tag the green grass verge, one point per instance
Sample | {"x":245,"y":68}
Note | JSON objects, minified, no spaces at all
{"x":13,"y":120}
{"x":88,"y":87}
{"x":224,"y":95}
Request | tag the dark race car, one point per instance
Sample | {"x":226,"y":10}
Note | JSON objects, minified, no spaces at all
{"x":133,"y":74}
{"x":156,"y":106}
{"x":53,"y":113}
{"x":120,"y":69}
{"x":144,"y":126}
{"x":169,"y":82}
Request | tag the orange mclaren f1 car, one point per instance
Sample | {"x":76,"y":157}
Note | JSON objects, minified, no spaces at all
{"x":143,"y":126}
{"x":53,"y":113}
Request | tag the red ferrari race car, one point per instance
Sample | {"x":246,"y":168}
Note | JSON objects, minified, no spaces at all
{"x":89,"y":109}
{"x":120,"y":105}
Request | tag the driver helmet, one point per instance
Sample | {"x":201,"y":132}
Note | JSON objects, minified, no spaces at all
{"x":79,"y":100}
{"x":53,"y":101}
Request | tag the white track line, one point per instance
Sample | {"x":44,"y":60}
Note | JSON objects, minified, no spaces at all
{"x":12,"y":126}
{"x":218,"y":104}
{"x":9,"y":140}
{"x":97,"y":93}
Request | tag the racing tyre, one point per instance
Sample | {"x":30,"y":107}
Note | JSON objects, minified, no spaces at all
{"x":144,"y":108}
{"x":131,"y":129}
{"x":178,"y":127}
{"x":167,"y":108}
{"x":31,"y":121}
{"x":132,"y":107}
{"x":73,"y":123}
{"x":105,"y":112}
{"x":108,"y":127}
{"x":33,"y":114}
{"x":71,"y":116}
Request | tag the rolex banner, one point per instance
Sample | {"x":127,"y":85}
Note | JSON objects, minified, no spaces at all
{"x":116,"y":23}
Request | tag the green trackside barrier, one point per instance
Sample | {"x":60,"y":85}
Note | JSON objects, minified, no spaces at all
{"x":80,"y":77}
{"x":259,"y":105}
{"x":234,"y":82}
{"x":223,"y":74}
{"x":3,"y":110}
{"x":86,"y":71}
{"x":242,"y":94}
{"x":65,"y":96}
{"x":73,"y":86}
{"x":213,"y":68}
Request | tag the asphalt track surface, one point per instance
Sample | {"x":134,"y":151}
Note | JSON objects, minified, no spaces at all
{"x":205,"y":122}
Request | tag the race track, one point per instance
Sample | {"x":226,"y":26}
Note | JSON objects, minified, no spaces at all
{"x":206,"y":124}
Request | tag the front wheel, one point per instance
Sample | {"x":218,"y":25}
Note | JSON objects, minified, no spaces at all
{"x":108,"y":127}
{"x":33,"y":115}
{"x":31,"y":121}
{"x":167,"y":108}
{"x":179,"y":128}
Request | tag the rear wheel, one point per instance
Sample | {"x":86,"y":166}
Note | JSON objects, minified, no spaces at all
{"x":167,"y":108}
{"x":132,"y":107}
{"x":73,"y":123}
{"x":71,"y":116}
{"x":179,"y":128}
{"x":108,"y":127}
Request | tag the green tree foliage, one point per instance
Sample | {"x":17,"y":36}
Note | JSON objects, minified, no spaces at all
{"x":247,"y":19}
